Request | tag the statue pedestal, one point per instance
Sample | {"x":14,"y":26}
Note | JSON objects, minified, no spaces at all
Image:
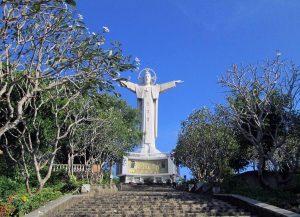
{"x":147,"y":168}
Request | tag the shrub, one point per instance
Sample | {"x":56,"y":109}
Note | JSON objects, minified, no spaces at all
{"x":116,"y":181}
{"x":10,"y":187}
{"x":58,"y":177}
{"x":6,"y":207}
{"x":71,"y":185}
{"x":278,"y":197}
{"x":40,"y":199}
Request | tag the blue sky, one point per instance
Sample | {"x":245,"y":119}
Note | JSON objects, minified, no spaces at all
{"x":195,"y":41}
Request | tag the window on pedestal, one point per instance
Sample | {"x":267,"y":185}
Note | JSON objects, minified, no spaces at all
{"x":163,"y":164}
{"x":132,"y":165}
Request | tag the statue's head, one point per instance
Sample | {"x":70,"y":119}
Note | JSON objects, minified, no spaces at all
{"x":147,"y":78}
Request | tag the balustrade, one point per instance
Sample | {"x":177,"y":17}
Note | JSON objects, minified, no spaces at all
{"x":75,"y":167}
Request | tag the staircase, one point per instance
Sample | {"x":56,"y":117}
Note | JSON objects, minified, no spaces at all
{"x":151,"y":201}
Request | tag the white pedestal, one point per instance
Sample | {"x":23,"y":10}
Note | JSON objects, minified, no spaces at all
{"x":147,"y":167}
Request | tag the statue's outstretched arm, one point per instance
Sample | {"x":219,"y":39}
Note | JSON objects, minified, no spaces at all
{"x":129,"y":85}
{"x":168,"y":85}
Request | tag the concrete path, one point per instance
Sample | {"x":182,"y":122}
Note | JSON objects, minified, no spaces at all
{"x":151,"y":202}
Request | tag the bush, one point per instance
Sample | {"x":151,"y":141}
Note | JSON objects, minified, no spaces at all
{"x":116,"y":181}
{"x":71,"y":185}
{"x":278,"y":197}
{"x":9,"y":187}
{"x":5,"y":163}
{"x":57,"y":178}
{"x":40,"y":199}
{"x":16,"y":205}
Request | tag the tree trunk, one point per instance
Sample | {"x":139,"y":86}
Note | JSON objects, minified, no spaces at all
{"x":28,"y":186}
{"x":72,"y":163}
{"x":111,"y":163}
{"x":260,"y":171}
{"x":40,"y":188}
{"x":69,"y":164}
{"x":41,"y":180}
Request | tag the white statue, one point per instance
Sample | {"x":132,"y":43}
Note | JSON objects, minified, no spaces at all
{"x":147,"y":94}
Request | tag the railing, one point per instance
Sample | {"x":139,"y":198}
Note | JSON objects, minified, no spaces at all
{"x":136,"y":154}
{"x":75,"y":167}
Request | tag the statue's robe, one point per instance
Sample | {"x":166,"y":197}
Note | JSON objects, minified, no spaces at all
{"x":147,"y":97}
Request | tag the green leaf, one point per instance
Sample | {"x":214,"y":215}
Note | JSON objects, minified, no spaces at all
{"x":71,"y":2}
{"x":36,"y":7}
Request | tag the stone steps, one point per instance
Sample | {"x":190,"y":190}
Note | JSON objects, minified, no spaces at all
{"x":166,"y":202}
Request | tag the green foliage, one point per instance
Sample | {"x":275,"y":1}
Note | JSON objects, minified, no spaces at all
{"x":40,"y":199}
{"x":263,"y":105}
{"x":53,"y":88}
{"x":116,"y":181}
{"x":240,"y":158}
{"x":9,"y":187}
{"x":106,"y":178}
{"x":7,"y":167}
{"x":71,"y":2}
{"x":53,"y":95}
{"x":110,"y":131}
{"x":58,"y":180}
{"x":71,"y":185}
{"x":277,"y":197}
{"x":125,"y":119}
{"x":14,"y":200}
{"x":204,"y":145}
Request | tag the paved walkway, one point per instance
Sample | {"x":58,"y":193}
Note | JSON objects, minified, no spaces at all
{"x":152,"y":202}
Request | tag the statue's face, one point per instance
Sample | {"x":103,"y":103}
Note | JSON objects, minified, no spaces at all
{"x":147,"y":78}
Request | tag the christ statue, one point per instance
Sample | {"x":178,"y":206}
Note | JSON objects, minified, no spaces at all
{"x":147,"y":95}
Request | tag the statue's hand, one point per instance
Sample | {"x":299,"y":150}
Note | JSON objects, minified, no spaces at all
{"x":178,"y":81}
{"x":123,"y":83}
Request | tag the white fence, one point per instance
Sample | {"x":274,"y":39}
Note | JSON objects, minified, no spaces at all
{"x":75,"y":167}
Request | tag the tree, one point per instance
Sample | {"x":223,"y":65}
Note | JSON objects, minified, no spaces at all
{"x":110,"y":131}
{"x":48,"y":60}
{"x":45,"y":40}
{"x":262,"y":99}
{"x":204,"y":145}
{"x":288,"y":155}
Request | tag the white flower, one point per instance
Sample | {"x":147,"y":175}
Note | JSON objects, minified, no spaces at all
{"x":278,"y":53}
{"x":99,"y":43}
{"x":105,"y":29}
{"x":66,"y":5}
{"x":137,"y":61}
{"x":80,"y":17}
{"x":93,"y":33}
{"x":70,"y":26}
